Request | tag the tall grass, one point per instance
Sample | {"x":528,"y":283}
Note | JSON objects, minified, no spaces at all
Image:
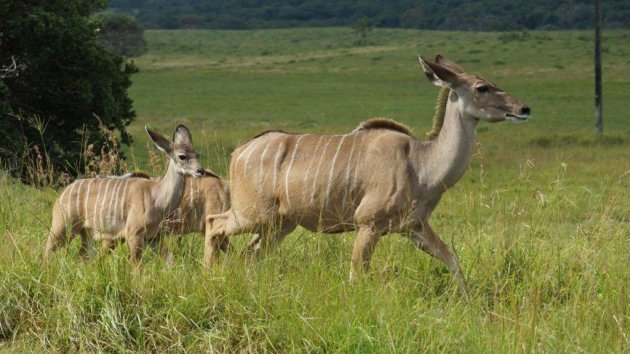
{"x":540,"y":221}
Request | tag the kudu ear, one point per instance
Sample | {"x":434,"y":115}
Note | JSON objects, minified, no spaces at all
{"x":182,"y":135}
{"x":438,"y":74}
{"x":160,"y":141}
{"x":444,"y":61}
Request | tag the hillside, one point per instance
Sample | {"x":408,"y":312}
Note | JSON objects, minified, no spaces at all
{"x":483,"y":15}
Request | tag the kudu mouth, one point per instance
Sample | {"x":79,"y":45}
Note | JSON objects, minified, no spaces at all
{"x":517,"y":117}
{"x":521,"y":116}
{"x":197,"y":174}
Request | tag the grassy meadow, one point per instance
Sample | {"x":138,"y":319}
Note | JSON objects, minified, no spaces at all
{"x":540,"y":222}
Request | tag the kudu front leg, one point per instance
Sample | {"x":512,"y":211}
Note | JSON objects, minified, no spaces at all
{"x":427,"y":240}
{"x":136,"y":244}
{"x":135,"y":236}
{"x":362,"y":251}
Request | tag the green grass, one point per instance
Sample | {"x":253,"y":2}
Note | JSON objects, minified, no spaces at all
{"x":541,"y":221}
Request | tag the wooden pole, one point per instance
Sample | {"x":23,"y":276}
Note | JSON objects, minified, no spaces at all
{"x":599,"y":121}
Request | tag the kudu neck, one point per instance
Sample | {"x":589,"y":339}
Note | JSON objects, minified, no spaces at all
{"x":451,"y":151}
{"x":168,"y":191}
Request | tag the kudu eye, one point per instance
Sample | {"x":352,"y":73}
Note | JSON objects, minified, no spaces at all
{"x":182,"y":157}
{"x":482,"y":88}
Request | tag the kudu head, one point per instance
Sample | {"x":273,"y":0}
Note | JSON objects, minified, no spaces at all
{"x":181,"y":152}
{"x":479,"y":98}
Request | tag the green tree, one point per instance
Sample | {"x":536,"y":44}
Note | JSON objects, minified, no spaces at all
{"x":56,"y":80}
{"x":122,"y":35}
{"x":362,"y":27}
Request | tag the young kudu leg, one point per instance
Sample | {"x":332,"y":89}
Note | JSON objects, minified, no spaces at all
{"x":364,"y":246}
{"x":87,"y":250}
{"x":134,"y":236}
{"x":57,"y":237}
{"x":427,"y":240}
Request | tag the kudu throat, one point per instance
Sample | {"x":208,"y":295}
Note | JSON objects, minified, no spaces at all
{"x":169,"y":190}
{"x":450,"y":152}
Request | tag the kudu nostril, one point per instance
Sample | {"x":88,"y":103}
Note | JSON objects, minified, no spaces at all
{"x":525,"y":110}
{"x":200,"y":171}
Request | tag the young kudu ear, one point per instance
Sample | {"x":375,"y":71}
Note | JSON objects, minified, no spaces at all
{"x":182,"y":135}
{"x":444,"y":61}
{"x":437,"y":74}
{"x":160,"y":141}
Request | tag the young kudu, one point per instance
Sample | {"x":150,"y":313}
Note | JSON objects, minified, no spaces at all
{"x":207,"y":195}
{"x":129,"y":208}
{"x":377,"y":180}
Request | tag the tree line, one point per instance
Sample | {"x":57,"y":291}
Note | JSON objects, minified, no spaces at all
{"x":480,"y":15}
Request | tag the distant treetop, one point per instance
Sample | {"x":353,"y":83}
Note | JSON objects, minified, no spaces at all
{"x":481,"y":15}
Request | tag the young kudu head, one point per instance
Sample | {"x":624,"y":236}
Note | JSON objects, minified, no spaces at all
{"x":479,"y":98}
{"x":181,"y":152}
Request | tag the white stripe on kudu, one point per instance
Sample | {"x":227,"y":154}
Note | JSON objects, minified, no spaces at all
{"x":321,"y":161}
{"x":85,"y":202}
{"x":121,"y":215}
{"x":98,"y":194}
{"x":262,"y":159}
{"x":287,"y":174}
{"x":356,"y":165}
{"x":65,"y":190}
{"x":276,"y":167}
{"x":347,"y":176}
{"x":332,"y":167}
{"x":249,"y":154}
{"x":244,"y":151}
{"x":104,"y":204}
{"x":314,"y":154}
{"x":113,"y":203}
{"x":78,"y":200}
{"x":61,"y":203}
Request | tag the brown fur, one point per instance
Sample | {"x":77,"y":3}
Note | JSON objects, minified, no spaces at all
{"x":140,"y":175}
{"x":383,"y":123}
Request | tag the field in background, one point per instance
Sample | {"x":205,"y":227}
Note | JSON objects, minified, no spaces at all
{"x":541,"y":221}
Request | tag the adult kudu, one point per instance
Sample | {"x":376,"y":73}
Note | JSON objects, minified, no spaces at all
{"x":377,"y":180}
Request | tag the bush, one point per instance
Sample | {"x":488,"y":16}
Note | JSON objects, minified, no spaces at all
{"x":56,"y":79}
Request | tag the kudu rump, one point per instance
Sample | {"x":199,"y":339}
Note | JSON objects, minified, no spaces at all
{"x":129,"y":208}
{"x":377,"y":180}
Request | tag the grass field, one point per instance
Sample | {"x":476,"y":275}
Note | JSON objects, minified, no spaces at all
{"x":541,"y":221}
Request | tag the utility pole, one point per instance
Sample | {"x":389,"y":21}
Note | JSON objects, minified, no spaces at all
{"x":599,"y":122}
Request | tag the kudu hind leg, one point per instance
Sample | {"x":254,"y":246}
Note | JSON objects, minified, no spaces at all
{"x":263,"y":244}
{"x":218,"y":228}
{"x":427,"y":240}
{"x":158,"y":245}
